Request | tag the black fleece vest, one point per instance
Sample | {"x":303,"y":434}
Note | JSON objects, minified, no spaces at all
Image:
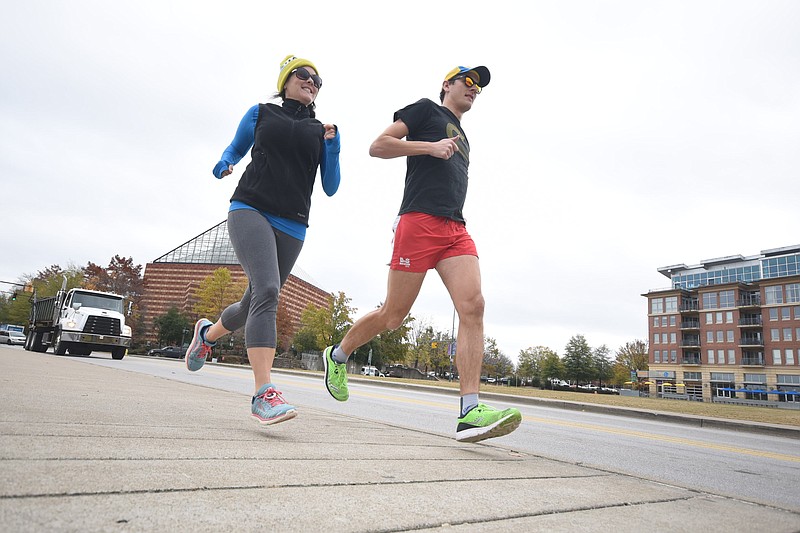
{"x":286,"y":152}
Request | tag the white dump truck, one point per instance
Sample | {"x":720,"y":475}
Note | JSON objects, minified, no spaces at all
{"x":80,"y":321}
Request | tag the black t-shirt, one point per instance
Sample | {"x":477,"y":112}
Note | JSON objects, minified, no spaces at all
{"x":434,"y":186}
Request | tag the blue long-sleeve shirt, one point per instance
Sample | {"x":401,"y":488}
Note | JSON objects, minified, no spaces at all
{"x":243,"y":142}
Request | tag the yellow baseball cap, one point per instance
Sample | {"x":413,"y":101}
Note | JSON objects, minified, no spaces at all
{"x":289,"y":64}
{"x":480,"y":75}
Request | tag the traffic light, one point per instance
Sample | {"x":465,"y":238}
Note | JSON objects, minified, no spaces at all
{"x":14,"y":296}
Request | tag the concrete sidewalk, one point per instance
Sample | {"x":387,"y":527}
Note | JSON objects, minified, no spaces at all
{"x":89,"y":448}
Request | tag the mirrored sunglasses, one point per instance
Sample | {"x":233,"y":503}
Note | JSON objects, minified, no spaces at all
{"x":303,"y":75}
{"x":469,"y":82}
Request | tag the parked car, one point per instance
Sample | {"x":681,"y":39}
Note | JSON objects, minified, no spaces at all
{"x":371,"y":371}
{"x":12,"y":337}
{"x":169,"y":351}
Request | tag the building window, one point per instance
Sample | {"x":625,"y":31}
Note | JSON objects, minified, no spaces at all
{"x":726,"y":299}
{"x":797,"y":312}
{"x":655,"y":322}
{"x":657,"y":305}
{"x":709,"y":318}
{"x":729,"y":317}
{"x":709,"y":337}
{"x":773,"y":313}
{"x":656,"y":338}
{"x":776,"y":356}
{"x":664,"y":338}
{"x":711,"y":357}
{"x":673,"y":356}
{"x":789,"y":356}
{"x":788,"y":379}
{"x":729,"y":336}
{"x":673,"y":338}
{"x":786,"y":265}
{"x":731,"y":357}
{"x":671,"y":304}
{"x":721,"y":357}
{"x":787,"y":334}
{"x":774,"y":334}
{"x":785,"y":313}
{"x":755,"y":378}
{"x":710,"y":300}
{"x":773,"y":294}
{"x":793,"y":293}
{"x":672,"y":320}
{"x":657,"y":356}
{"x":719,"y":318}
{"x":720,"y":336}
{"x":663,"y":321}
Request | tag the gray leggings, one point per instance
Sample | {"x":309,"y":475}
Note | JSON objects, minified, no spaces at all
{"x":267,"y":257}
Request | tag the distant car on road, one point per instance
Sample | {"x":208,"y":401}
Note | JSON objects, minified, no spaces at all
{"x":12,"y":337}
{"x":168,"y":351}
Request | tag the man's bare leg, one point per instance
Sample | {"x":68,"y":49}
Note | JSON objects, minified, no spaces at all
{"x":462,"y":277}
{"x":402,"y":290}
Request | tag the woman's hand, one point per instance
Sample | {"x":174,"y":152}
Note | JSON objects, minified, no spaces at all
{"x":330,"y":131}
{"x":228,"y":171}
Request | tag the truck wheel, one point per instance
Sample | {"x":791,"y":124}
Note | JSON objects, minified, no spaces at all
{"x":118,"y":353}
{"x":36,"y":342}
{"x":59,"y":348}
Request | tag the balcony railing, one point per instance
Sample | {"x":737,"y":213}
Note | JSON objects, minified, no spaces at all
{"x":693,"y":343}
{"x":692,"y":360}
{"x":691,"y":305}
{"x":751,"y":321}
{"x":753,"y":361}
{"x":690,"y":324}
{"x":749,"y":301}
{"x":751,"y":341}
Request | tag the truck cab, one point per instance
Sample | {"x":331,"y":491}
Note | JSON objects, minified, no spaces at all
{"x":79,"y":321}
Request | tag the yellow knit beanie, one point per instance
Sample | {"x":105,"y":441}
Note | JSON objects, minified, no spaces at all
{"x":290,"y":63}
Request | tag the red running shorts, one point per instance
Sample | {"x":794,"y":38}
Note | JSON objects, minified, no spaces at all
{"x":421,"y":241}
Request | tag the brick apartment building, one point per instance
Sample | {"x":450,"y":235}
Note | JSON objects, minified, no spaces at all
{"x":172,"y":279}
{"x":728,"y":330}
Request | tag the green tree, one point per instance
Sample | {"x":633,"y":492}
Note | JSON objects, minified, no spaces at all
{"x":216,"y":292}
{"x":391,"y":346}
{"x":420,"y":336}
{"x":577,"y":360}
{"x":48,"y":282}
{"x":438,"y":357}
{"x":553,"y":366}
{"x":305,"y":340}
{"x":533,"y":363}
{"x":631,"y":357}
{"x":602,"y":364}
{"x":170,"y":327}
{"x":495,"y":362}
{"x":324,"y":325}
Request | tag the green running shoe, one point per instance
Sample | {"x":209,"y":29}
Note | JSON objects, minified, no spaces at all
{"x":335,"y":376}
{"x":484,"y":422}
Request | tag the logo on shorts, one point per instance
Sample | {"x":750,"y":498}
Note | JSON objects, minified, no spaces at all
{"x":405,"y":262}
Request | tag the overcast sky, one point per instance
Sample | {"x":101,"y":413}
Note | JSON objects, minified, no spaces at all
{"x":614,"y":138}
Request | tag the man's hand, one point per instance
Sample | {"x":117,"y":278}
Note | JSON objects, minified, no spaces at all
{"x":445,"y":148}
{"x":228,"y":171}
{"x":330,"y":131}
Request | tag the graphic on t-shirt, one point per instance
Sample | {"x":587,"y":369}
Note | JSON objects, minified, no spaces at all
{"x":463,"y":147}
